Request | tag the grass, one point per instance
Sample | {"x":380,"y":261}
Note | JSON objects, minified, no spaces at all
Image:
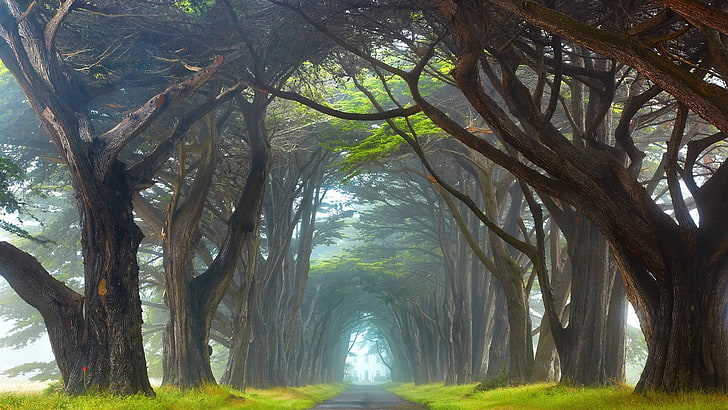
{"x":207,"y":398}
{"x":550,"y":396}
{"x":435,"y":396}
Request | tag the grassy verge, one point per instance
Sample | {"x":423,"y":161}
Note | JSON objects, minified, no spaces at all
{"x":549,"y":396}
{"x":204,"y":398}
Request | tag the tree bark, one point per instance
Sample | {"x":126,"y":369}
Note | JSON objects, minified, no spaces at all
{"x":113,"y":351}
{"x":498,"y":356}
{"x":60,"y":307}
{"x":583,"y":358}
{"x":687,"y":334}
{"x":616,"y":349}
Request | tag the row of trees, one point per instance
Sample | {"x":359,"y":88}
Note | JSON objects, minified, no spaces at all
{"x":572,"y":103}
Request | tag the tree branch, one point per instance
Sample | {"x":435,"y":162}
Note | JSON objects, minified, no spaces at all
{"x":52,"y":27}
{"x":704,"y":98}
{"x":142,"y":172}
{"x":60,"y":306}
{"x":31,"y":281}
{"x":377,"y":116}
{"x":698,"y":14}
{"x":113,"y":141}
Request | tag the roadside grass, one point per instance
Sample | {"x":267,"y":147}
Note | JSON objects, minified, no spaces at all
{"x":550,"y":396}
{"x":206,"y":397}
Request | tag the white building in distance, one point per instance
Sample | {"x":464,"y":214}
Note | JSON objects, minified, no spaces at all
{"x":365,"y":367}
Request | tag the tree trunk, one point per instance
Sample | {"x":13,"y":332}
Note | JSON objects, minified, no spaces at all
{"x":193,"y":299}
{"x":545,"y":364}
{"x":583,"y":359}
{"x":687,"y":336}
{"x":616,"y":349}
{"x":520,"y":342}
{"x":112,"y":350}
{"x":236,"y":370}
{"x":498,"y":357}
{"x":186,"y":360}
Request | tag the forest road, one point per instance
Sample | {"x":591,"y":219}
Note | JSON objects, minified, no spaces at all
{"x":368,"y":397}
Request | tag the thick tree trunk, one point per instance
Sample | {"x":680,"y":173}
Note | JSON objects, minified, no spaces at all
{"x":236,"y":370}
{"x":520,"y":342}
{"x":186,"y":360}
{"x":193,"y":299}
{"x":186,"y":351}
{"x":687,"y":337}
{"x":112,"y":350}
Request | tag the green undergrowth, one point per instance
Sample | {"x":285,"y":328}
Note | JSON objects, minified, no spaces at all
{"x":207,"y":398}
{"x":550,"y":396}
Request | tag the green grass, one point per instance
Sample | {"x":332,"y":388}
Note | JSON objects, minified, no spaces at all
{"x":550,"y":396}
{"x":205,"y":398}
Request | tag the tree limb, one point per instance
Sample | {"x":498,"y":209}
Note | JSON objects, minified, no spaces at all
{"x":110,"y":143}
{"x":377,"y":116}
{"x":51,"y":29}
{"x":142,"y":172}
{"x":704,"y":98}
{"x":31,"y":281}
{"x":698,"y":14}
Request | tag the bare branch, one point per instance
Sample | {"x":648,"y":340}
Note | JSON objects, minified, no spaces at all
{"x":704,"y":98}
{"x":698,"y":14}
{"x":142,"y":172}
{"x":26,"y":13}
{"x":51,"y":29}
{"x":113,"y":141}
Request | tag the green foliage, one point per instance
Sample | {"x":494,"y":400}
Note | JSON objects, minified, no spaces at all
{"x":40,"y":371}
{"x":549,"y":396}
{"x":194,"y":6}
{"x":384,"y":141}
{"x":9,"y":173}
{"x":636,"y":346}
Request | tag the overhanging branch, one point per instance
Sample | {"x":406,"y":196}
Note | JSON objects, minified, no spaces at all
{"x":113,"y":141}
{"x":33,"y":283}
{"x":376,"y":116}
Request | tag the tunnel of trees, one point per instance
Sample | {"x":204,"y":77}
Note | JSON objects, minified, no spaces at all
{"x":233,"y":191}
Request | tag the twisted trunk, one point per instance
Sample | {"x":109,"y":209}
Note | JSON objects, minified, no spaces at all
{"x":687,"y":336}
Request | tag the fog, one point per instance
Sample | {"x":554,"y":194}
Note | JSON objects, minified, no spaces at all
{"x":39,"y":351}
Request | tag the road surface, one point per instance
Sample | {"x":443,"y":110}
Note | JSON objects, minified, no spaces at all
{"x":371,"y":396}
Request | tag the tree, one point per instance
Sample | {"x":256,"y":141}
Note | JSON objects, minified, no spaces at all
{"x":294,"y":195}
{"x":96,"y":337}
{"x":665,"y":273}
